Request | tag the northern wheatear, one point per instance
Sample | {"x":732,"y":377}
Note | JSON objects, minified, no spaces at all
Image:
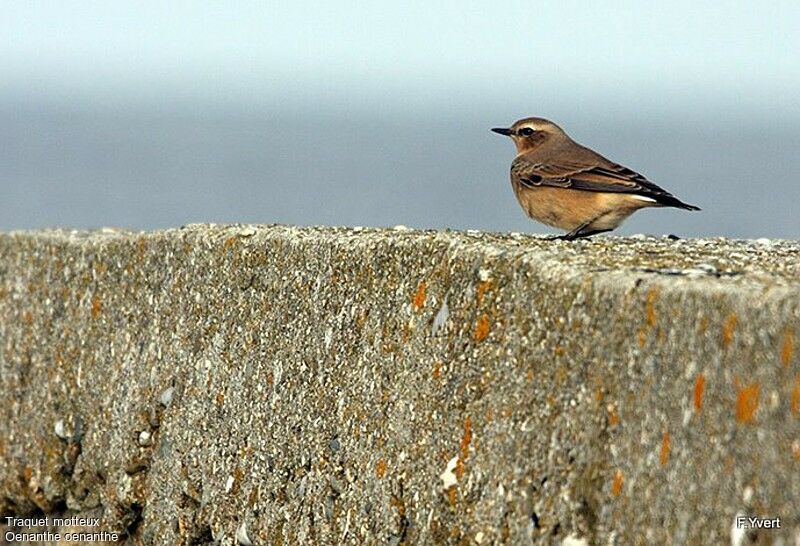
{"x":565,"y":185}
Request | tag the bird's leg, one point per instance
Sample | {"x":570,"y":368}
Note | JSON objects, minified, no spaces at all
{"x":574,"y":234}
{"x":580,"y":232}
{"x":590,"y":233}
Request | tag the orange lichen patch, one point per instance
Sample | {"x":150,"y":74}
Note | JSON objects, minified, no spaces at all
{"x":787,"y":348}
{"x":230,"y":241}
{"x":598,"y":394}
{"x":650,"y":308}
{"x":459,"y":469}
{"x":613,"y":417}
{"x":362,"y":317}
{"x":703,"y":326}
{"x":238,"y":476}
{"x":97,"y":306}
{"x":467,"y":439}
{"x":796,"y":450}
{"x":561,"y":374}
{"x":728,"y":329}
{"x":437,"y":371}
{"x":483,"y":287}
{"x":27,"y":318}
{"x":529,"y":376}
{"x":406,"y":331}
{"x":794,"y":404}
{"x":699,"y":389}
{"x":452,"y":495}
{"x":616,"y":484}
{"x":576,"y":324}
{"x":220,"y":398}
{"x":252,"y":499}
{"x":642,"y":337}
{"x":665,"y":448}
{"x":380,"y":468}
{"x":398,"y":503}
{"x":482,"y":328}
{"x":3,"y":293}
{"x":747,"y":403}
{"x":418,"y":299}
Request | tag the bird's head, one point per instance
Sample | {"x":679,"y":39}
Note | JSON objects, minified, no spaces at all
{"x":530,"y":133}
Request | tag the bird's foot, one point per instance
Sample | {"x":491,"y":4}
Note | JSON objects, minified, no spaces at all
{"x":578,"y":234}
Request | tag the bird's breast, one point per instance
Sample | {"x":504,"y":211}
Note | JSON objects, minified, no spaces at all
{"x":567,"y":208}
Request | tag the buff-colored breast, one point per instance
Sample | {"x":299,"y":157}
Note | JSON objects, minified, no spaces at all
{"x":567,"y":209}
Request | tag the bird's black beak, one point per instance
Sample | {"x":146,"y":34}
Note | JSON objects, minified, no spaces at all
{"x":502,"y":131}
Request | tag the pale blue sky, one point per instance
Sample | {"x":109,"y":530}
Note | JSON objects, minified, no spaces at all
{"x":157,"y":113}
{"x":721,"y":55}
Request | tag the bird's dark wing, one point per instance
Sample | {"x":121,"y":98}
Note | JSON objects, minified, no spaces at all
{"x":609,"y":177}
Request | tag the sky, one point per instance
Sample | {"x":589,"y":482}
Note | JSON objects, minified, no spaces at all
{"x":605,"y":71}
{"x":736,"y":53}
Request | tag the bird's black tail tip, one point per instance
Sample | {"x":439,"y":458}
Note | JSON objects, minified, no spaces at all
{"x":669,"y":200}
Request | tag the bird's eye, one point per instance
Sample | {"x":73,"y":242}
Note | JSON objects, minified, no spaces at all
{"x":526,"y":131}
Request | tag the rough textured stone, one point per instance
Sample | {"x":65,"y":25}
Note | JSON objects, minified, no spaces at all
{"x":278,"y":385}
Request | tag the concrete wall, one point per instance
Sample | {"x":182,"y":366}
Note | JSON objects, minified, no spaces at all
{"x":276,"y":385}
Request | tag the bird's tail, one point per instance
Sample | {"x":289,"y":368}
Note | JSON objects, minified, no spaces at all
{"x":686,"y":206}
{"x":670,"y":200}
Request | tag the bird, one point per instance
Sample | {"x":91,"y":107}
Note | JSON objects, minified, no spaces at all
{"x":563,"y":184}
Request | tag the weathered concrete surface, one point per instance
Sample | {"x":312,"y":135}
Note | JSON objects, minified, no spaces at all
{"x":279,"y":385}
